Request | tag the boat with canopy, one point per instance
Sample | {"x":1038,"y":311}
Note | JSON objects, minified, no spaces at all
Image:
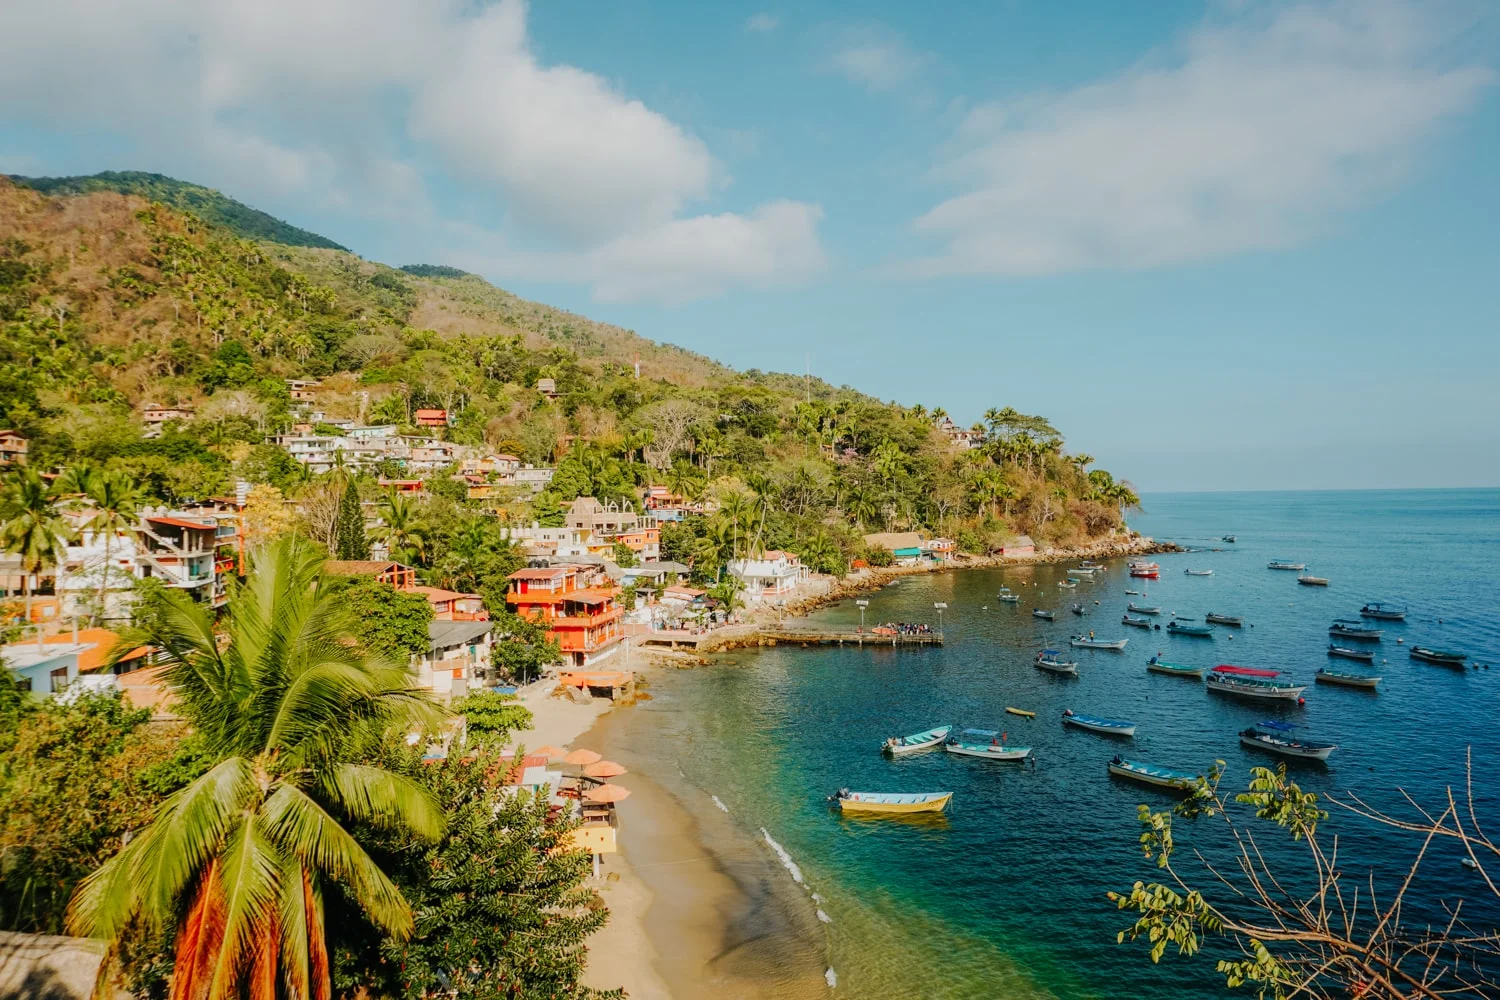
{"x":1006,"y":596}
{"x":1276,"y":737}
{"x":892,"y":802}
{"x":984,"y":743}
{"x":1085,"y":642}
{"x":1192,"y":631}
{"x":1254,"y":683}
{"x":1383,"y":611}
{"x":1153,"y":774}
{"x":1051,"y":660}
{"x":1233,"y":621}
{"x":1110,"y":727}
{"x":1157,"y":665}
{"x":1346,"y":679}
{"x":925,"y":740}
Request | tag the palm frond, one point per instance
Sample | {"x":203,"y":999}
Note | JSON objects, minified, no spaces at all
{"x":385,"y":799}
{"x":249,"y":874}
{"x":296,"y":929}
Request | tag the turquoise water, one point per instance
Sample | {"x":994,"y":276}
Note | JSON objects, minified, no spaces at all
{"x":1004,"y":897}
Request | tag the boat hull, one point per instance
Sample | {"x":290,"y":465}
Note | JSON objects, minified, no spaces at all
{"x":1190,"y":631}
{"x":1363,"y":655}
{"x":988,"y":753}
{"x":1146,"y":574}
{"x":923,"y":803}
{"x":1254,"y":692}
{"x":1373,"y":635}
{"x":1171,"y":782}
{"x":1295,"y":751}
{"x":1233,"y":621}
{"x":1347,"y":680}
{"x":1312,"y":581}
{"x":1073,"y":720}
{"x":1066,"y":669}
{"x":1118,"y":645}
{"x":1165,"y":668}
{"x":1440,"y":659}
{"x":1046,"y":616}
{"x":1382,"y":614}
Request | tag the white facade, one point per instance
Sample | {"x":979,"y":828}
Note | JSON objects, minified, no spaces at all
{"x":772,"y":575}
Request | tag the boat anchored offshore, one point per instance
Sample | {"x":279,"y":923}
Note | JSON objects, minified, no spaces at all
{"x":1145,"y":570}
{"x":1025,"y":713}
{"x":891,"y":802}
{"x":1068,"y":584}
{"x":1286,"y":564}
{"x":1077,"y":609}
{"x":1191,"y":631}
{"x":1349,"y":653}
{"x":1132,"y":606}
{"x":1229,"y":538}
{"x":1383,"y":612}
{"x":1086,"y":642}
{"x":1346,"y":679}
{"x":1153,"y":774}
{"x":1234,"y":621}
{"x":898,"y":745}
{"x":1159,"y":666}
{"x":1006,"y":596}
{"x":1442,"y":657}
{"x":1199,"y":572}
{"x":1250,"y":682}
{"x":1050,"y":616}
{"x":1312,"y":581}
{"x":1276,"y":737}
{"x":1344,"y":628}
{"x":970,"y":743}
{"x":1137,"y":622}
{"x":1051,"y":660}
{"x":1085,"y":570}
{"x":1111,"y":727}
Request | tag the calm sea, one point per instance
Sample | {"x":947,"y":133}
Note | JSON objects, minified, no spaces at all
{"x":1005,"y":896}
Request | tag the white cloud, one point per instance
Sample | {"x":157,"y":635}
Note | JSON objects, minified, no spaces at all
{"x":1251,"y":134}
{"x":762,"y":22}
{"x":877,"y":59}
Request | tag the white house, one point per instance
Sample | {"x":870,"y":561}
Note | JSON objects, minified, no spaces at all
{"x":774,"y":574}
{"x":457,"y":657}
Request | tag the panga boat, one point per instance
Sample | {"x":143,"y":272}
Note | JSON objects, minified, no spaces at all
{"x":1084,"y":642}
{"x":1008,"y":597}
{"x":1228,"y":538}
{"x":1051,"y":659}
{"x":1286,"y":564}
{"x":1159,"y":666}
{"x":1085,"y":570}
{"x":1152,"y":774}
{"x":1199,"y":572}
{"x":1276,"y":737}
{"x":1442,"y":657}
{"x":1132,"y":606}
{"x":892,"y":802}
{"x":1367,"y":655}
{"x":1077,"y":609}
{"x":1067,"y":584}
{"x":1045,"y":615}
{"x":1137,"y":622}
{"x":1214,"y":618}
{"x":1346,"y":679}
{"x":970,"y":743}
{"x":1312,"y":581}
{"x":1112,"y":727}
{"x":1192,"y":631}
{"x":1347,"y":629}
{"x":1383,"y":612}
{"x":1147,"y":570}
{"x":1250,"y":682}
{"x":1021,"y":712}
{"x":898,"y":745}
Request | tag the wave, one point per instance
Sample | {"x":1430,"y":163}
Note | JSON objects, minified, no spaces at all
{"x":722,"y":807}
{"x":824,"y":917}
{"x":786,"y":859}
{"x":831,"y":977}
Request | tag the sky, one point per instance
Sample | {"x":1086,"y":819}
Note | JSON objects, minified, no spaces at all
{"x":1221,"y":244}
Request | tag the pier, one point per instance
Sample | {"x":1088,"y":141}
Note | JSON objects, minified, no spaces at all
{"x":734,"y":637}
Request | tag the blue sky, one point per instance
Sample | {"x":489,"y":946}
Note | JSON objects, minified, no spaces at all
{"x":1224,"y":245}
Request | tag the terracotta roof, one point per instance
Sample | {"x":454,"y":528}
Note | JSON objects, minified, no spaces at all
{"x":438,"y":594}
{"x":431,"y":413}
{"x":181,"y":522}
{"x":547,"y":573}
{"x":592,"y":595}
{"x":104,"y":642}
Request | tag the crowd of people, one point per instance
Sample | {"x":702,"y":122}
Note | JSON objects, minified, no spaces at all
{"x":903,"y":628}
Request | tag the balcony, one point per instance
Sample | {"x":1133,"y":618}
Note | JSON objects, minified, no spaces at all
{"x":586,"y":621}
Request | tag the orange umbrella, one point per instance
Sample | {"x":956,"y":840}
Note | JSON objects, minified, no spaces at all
{"x":604,"y":769}
{"x":607,"y":793}
{"x":582,"y":757}
{"x":549,"y":751}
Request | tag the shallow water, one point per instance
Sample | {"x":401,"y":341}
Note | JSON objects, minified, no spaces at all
{"x":1004,"y":896}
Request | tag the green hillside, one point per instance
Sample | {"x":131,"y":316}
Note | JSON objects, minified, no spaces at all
{"x":206,"y":203}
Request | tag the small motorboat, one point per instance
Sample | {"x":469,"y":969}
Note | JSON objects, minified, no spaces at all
{"x":1157,"y":665}
{"x":1145,"y":570}
{"x":1085,"y":570}
{"x":1183,"y":618}
{"x":891,"y":802}
{"x":1286,"y":564}
{"x":926,"y":740}
{"x":1077,"y":609}
{"x":1050,"y":616}
{"x":1367,"y":681}
{"x":1383,"y":612}
{"x":1067,"y":584}
{"x":1010,"y":598}
{"x":1086,"y":642}
{"x":1234,"y":621}
{"x":1442,"y":657}
{"x":1253,"y":683}
{"x":1276,"y":737}
{"x":1229,"y":538}
{"x":1133,"y":593}
{"x":1051,"y":660}
{"x":1191,"y":631}
{"x":1348,"y":653}
{"x":970,"y":743}
{"x":1312,"y":581}
{"x":1152,"y":774}
{"x":1137,"y":622}
{"x":1199,"y":572}
{"x":1132,"y":606}
{"x":1020,"y":711}
{"x":1347,"y":629}
{"x":1111,"y":727}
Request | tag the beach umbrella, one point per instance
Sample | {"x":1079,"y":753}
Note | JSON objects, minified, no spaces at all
{"x":582,"y":757}
{"x":604,"y":769}
{"x":549,"y":751}
{"x":607,"y":793}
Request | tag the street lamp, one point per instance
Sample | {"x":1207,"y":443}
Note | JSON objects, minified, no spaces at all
{"x":862,"y":606}
{"x":940,"y":605}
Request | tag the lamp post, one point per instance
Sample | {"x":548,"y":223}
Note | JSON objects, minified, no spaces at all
{"x":862,"y":606}
{"x":940,"y":605}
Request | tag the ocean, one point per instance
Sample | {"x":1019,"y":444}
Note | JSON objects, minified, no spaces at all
{"x":1005,"y":895}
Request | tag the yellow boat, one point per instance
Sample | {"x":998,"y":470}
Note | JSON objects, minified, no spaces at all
{"x":892,"y":802}
{"x":1020,"y":711}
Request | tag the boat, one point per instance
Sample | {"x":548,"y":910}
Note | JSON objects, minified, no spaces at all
{"x":1085,"y":570}
{"x":1077,"y":609}
{"x":1067,"y":584}
{"x":1085,"y":642}
{"x":1153,"y":774}
{"x":898,"y":745}
{"x":1091,"y":564}
{"x":1051,"y":660}
{"x":1345,"y":679}
{"x":1192,"y":631}
{"x":1250,"y":682}
{"x":1214,"y":618}
{"x":1132,"y":606}
{"x":969,"y":743}
{"x":1137,"y":622}
{"x":1157,"y":665}
{"x":1146,"y":570}
{"x":1347,"y":629}
{"x":1020,"y":711}
{"x":1111,"y":727}
{"x":1229,"y":538}
{"x":1010,"y":598}
{"x":1312,"y":581}
{"x":1050,"y":616}
{"x":1199,"y":572}
{"x":1383,"y":612}
{"x":892,"y":802}
{"x":1442,"y":657}
{"x":1183,"y":618}
{"x":1347,"y":653}
{"x":1286,"y":564}
{"x":1276,"y":737}
{"x":1133,"y":593}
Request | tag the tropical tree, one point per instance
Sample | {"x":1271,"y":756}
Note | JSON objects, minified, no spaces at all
{"x":115,"y":511}
{"x":822,"y":553}
{"x":405,"y":538}
{"x":349,"y":525}
{"x":236,"y":864}
{"x":32,"y":527}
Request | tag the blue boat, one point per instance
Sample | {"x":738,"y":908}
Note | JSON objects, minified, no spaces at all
{"x":1110,"y":727}
{"x":1153,"y":774}
{"x":1192,"y":631}
{"x":970,"y":743}
{"x":897,"y":745}
{"x":1276,"y":737}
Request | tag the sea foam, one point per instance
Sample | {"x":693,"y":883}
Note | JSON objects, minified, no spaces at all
{"x":832,"y":977}
{"x":786,"y":859}
{"x":722,"y":807}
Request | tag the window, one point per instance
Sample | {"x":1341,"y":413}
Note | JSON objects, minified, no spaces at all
{"x":59,"y":678}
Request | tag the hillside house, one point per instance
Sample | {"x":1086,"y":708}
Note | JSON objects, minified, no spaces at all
{"x":155,"y":414}
{"x":303,"y":390}
{"x":602,"y":519}
{"x":532,"y":477}
{"x":412,"y":487}
{"x":547,"y":387}
{"x":644,"y":542}
{"x":1021,"y":545}
{"x":451,"y":605}
{"x":431,"y":418}
{"x":582,"y":618}
{"x":773,"y":575}
{"x":456,"y":659}
{"x":12,"y":448}
{"x":381,"y":570}
{"x":904,"y":546}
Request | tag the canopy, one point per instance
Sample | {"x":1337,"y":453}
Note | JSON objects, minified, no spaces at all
{"x":549,"y":751}
{"x":582,"y":757}
{"x":1049,"y":652}
{"x":981,"y":732}
{"x":1225,"y":668}
{"x":604,"y":769}
{"x":1280,"y":727}
{"x":607,"y":793}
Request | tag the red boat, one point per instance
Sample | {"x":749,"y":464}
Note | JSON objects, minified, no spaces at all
{"x":1149,"y":570}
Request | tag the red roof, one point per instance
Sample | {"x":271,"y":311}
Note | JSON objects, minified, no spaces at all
{"x":439,"y":594}
{"x":1225,"y":668}
{"x":431,"y":414}
{"x":178,"y":522}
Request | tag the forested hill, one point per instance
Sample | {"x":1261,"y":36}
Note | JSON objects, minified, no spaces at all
{"x":206,"y":203}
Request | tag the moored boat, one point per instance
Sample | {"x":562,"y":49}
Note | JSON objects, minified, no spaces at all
{"x":1349,"y":653}
{"x":898,"y":745}
{"x":1229,"y":538}
{"x":1051,"y":660}
{"x":1199,"y":572}
{"x":1085,"y":570}
{"x":1088,"y":642}
{"x":1442,"y":657}
{"x":1020,"y":711}
{"x":970,"y":743}
{"x":1146,"y":570}
{"x":1382,"y":611}
{"x":1010,"y":598}
{"x":1286,"y":564}
{"x":1137,"y":622}
{"x":1153,"y":774}
{"x":1253,"y":683}
{"x":1110,"y":727}
{"x":1159,"y":666}
{"x":1276,"y":737}
{"x":1047,"y":615}
{"x":1346,"y":629}
{"x":1191,"y":631}
{"x":1132,"y":606}
{"x":1312,"y":581}
{"x":1234,"y":621}
{"x":892,"y":802}
{"x":1067,"y":584}
{"x":1347,"y":679}
{"x":1077,"y":609}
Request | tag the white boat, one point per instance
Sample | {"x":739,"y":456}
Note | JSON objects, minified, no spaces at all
{"x":1132,"y":606}
{"x":898,"y":745}
{"x":1068,"y":584}
{"x":1085,"y":570}
{"x":1084,"y":642}
{"x":1199,"y":572}
{"x":1153,"y":774}
{"x":1276,"y":737}
{"x":1051,"y":660}
{"x":1045,"y":615}
{"x":1259,"y":685}
{"x":1110,"y":727}
{"x":1286,"y":564}
{"x":970,"y":743}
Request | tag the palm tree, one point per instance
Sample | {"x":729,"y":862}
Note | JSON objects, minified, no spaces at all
{"x":237,"y":862}
{"x":738,"y":508}
{"x":405,"y":539}
{"x":116,"y":508}
{"x":886,"y":459}
{"x":32,"y":528}
{"x":821,"y":552}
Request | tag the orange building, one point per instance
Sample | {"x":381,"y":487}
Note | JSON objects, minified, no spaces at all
{"x":644,"y":542}
{"x":584,"y":621}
